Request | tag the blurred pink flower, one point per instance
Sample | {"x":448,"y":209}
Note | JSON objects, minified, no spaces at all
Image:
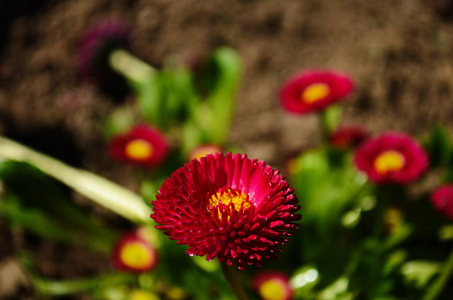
{"x":143,"y":146}
{"x":314,"y":90}
{"x":391,"y":158}
{"x":132,"y":253}
{"x":348,"y":137}
{"x":272,"y":285}
{"x":442,"y":200}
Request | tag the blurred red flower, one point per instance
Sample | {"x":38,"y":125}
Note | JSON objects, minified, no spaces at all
{"x":391,"y":158}
{"x":143,"y":146}
{"x":348,"y":137}
{"x":132,"y":253}
{"x":272,"y":285}
{"x":228,"y":206}
{"x":442,"y":200}
{"x":314,"y":90}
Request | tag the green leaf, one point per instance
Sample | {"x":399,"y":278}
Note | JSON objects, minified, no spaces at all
{"x":304,"y":280}
{"x":121,"y":120}
{"x":331,"y":118}
{"x":439,"y":147}
{"x":394,"y":261}
{"x":34,"y":220}
{"x":106,"y":193}
{"x":327,"y":194}
{"x":419,"y":272}
{"x":148,"y":99}
{"x":40,"y":206}
{"x":214,"y":115}
{"x":337,"y":290}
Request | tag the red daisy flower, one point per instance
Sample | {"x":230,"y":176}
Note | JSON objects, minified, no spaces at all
{"x":272,"y":285}
{"x":347,"y":137}
{"x":228,"y":206}
{"x":132,"y":253}
{"x":96,"y":44}
{"x":442,"y":200}
{"x":314,"y":90}
{"x":392,"y":157}
{"x":142,"y":146}
{"x":204,"y":150}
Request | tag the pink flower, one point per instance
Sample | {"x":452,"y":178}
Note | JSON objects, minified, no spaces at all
{"x":143,"y":146}
{"x":132,"y":253}
{"x":314,"y":90}
{"x":272,"y":285}
{"x":391,"y":158}
{"x":442,"y":200}
{"x":348,"y":137}
{"x":227,"y":206}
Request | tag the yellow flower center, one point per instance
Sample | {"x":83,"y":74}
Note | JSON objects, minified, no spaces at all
{"x":229,"y":197}
{"x":389,"y":161}
{"x":139,"y":149}
{"x":315,"y":92}
{"x":272,"y":290}
{"x":136,"y":255}
{"x":142,"y":295}
{"x":203,"y":151}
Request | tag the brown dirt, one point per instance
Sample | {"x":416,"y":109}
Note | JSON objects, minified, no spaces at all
{"x":399,"y":52}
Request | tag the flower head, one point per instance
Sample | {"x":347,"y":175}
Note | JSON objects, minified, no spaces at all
{"x":272,"y":285}
{"x":204,"y":150}
{"x":347,"y":137}
{"x":132,"y":253}
{"x":143,"y":146}
{"x":392,"y":158}
{"x":229,"y":206}
{"x":314,"y":90}
{"x":442,"y":200}
{"x":97,"y":43}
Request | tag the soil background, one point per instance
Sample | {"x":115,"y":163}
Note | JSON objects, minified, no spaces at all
{"x":400,"y":54}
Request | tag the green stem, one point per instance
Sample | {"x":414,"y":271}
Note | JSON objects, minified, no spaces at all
{"x":64,"y":287}
{"x":233,"y":281}
{"x":329,"y":119}
{"x":131,"y":67}
{"x":323,"y":126}
{"x":436,"y":288}
{"x":68,"y":287}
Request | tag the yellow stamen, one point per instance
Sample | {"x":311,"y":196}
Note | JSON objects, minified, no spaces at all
{"x":389,"y":161}
{"x":272,"y":290}
{"x":228,"y":197}
{"x":315,"y":92}
{"x":139,"y":149}
{"x":136,"y":255}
